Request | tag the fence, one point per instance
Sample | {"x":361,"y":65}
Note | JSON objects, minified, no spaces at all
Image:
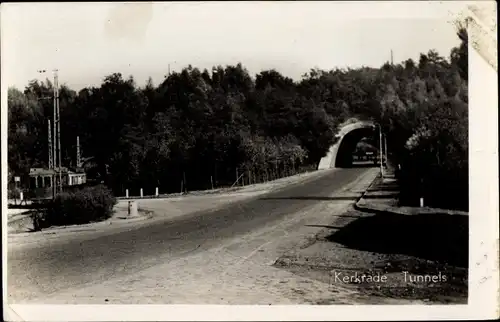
{"x":243,"y":177}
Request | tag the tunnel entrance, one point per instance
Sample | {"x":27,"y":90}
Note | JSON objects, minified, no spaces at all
{"x":358,"y":148}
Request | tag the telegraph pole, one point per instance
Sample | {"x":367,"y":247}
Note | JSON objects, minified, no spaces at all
{"x":51,"y":162}
{"x":385,"y":145}
{"x":54,"y":142}
{"x":381,"y":152}
{"x":78,"y":158}
{"x":392,"y":62}
{"x":56,"y":86}
{"x":54,"y":153}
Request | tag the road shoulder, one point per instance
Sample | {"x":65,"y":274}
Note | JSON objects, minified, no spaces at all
{"x":417,"y":255}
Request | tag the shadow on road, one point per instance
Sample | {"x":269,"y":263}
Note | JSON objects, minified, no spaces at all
{"x":323,"y":226}
{"x":393,"y":188}
{"x":362,"y":165}
{"x":384,"y":196}
{"x":313,"y":198}
{"x":437,"y":237}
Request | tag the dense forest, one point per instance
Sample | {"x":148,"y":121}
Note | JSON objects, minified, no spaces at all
{"x":205,"y":128}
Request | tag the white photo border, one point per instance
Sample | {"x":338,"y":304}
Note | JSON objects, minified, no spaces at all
{"x":483,"y":194}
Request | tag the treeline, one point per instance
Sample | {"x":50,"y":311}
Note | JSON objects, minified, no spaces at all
{"x":206,"y":128}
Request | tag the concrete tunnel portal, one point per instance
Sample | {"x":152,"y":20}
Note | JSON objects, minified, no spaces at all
{"x":340,"y":154}
{"x":348,"y":145}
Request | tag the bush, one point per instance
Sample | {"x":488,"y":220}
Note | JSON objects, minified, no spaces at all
{"x":13,"y":193}
{"x":87,"y":205}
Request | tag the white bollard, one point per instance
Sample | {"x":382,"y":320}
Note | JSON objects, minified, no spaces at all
{"x":21,"y":196}
{"x":421,"y":202}
{"x":132,"y":208}
{"x":126,"y":193}
{"x":141,"y":193}
{"x":157,"y":192}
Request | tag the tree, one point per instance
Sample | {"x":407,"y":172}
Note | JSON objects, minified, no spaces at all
{"x":201,"y":127}
{"x":26,"y":132}
{"x":459,"y":55}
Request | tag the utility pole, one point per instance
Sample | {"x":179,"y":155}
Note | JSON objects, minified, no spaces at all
{"x":58,"y":117}
{"x":381,"y":152}
{"x":51,"y":161}
{"x":392,"y":61}
{"x":385,"y":145}
{"x":54,"y":142}
{"x":54,"y":153}
{"x":78,"y":157}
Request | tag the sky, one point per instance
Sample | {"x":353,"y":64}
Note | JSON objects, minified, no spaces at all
{"x":87,"y":41}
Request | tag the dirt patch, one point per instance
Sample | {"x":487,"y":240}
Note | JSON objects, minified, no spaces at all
{"x":422,"y":259}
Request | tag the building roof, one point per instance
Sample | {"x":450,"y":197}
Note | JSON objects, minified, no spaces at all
{"x":50,"y":172}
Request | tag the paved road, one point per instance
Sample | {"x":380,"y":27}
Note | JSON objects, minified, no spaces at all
{"x":41,"y":270}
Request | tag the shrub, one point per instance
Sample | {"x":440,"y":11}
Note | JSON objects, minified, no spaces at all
{"x":89,"y":204}
{"x":13,"y":193}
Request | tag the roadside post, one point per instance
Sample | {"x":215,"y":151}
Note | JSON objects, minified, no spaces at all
{"x":126,"y":193}
{"x":132,"y":208}
{"x":422,"y":193}
{"x":156,"y":193}
{"x":141,"y":193}
{"x":381,"y":153}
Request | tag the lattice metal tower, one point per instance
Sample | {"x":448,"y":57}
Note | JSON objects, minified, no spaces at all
{"x":51,"y":161}
{"x":78,"y":156}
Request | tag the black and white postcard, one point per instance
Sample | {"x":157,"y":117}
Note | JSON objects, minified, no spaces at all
{"x":274,"y":160}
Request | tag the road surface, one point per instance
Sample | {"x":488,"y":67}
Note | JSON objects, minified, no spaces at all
{"x":38,"y":271}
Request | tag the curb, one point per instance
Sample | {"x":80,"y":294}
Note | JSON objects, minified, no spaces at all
{"x":142,"y":216}
{"x":361,"y":208}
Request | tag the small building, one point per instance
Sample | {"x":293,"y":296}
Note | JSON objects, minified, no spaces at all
{"x":42,"y":180}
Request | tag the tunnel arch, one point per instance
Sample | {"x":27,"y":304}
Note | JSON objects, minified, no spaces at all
{"x":340,"y":153}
